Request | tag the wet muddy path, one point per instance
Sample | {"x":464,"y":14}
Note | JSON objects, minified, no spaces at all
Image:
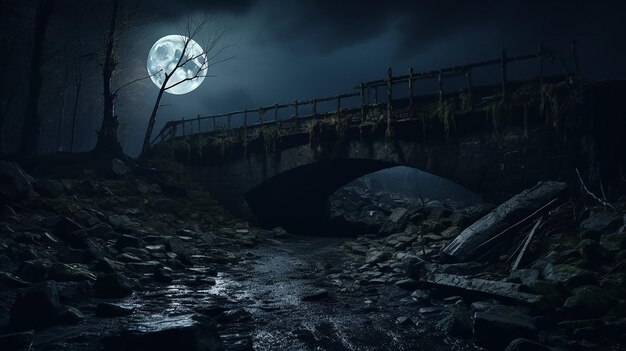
{"x":342,"y":309}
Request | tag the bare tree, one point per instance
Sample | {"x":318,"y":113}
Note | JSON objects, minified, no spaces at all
{"x":32,"y":121}
{"x":107,"y":136}
{"x":207,"y":57}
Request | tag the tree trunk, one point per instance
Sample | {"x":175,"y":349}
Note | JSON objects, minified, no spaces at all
{"x":74,"y":114}
{"x":107,"y":137}
{"x":32,"y":122}
{"x":61,"y":120}
{"x":152,"y":120}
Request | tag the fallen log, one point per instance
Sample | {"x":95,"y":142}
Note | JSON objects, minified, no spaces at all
{"x":504,"y":221}
{"x":493,"y":288}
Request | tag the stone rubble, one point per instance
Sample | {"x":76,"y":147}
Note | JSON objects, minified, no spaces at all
{"x":568,"y":288}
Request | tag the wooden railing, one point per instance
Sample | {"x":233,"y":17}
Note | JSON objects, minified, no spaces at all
{"x":364,"y":93}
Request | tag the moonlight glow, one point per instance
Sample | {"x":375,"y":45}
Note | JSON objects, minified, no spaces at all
{"x":163,"y":57}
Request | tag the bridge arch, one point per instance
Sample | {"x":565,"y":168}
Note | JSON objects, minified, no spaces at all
{"x":297,"y":199}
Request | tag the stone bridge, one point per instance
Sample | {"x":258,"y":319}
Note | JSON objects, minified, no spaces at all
{"x":282,"y":174}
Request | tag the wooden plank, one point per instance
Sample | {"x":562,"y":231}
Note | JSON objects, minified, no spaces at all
{"x":527,"y":241}
{"x":494,"y":288}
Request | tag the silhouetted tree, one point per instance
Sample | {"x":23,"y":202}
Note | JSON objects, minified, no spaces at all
{"x":193,"y":29}
{"x":32,"y":121}
{"x":107,"y":136}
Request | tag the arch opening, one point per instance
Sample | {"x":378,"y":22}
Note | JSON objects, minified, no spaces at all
{"x":363,"y":205}
{"x":304,"y":200}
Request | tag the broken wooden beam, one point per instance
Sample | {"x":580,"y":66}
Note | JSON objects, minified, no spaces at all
{"x":504,"y":221}
{"x":497,"y":289}
{"x":527,"y":241}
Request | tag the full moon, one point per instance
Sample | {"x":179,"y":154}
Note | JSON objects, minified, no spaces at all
{"x":163,"y":58}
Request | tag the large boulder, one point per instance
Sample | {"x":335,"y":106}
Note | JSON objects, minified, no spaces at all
{"x":119,"y":168}
{"x":17,"y":341}
{"x":112,"y":285}
{"x":471,"y":242}
{"x":522,"y":344}
{"x":568,"y":275}
{"x":602,"y":221}
{"x":15,"y":184}
{"x":396,"y":221}
{"x":497,"y":326}
{"x":49,"y":187}
{"x":36,"y":307}
{"x":588,"y":302}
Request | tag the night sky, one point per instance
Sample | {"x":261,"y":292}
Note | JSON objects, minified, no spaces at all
{"x":286,"y":50}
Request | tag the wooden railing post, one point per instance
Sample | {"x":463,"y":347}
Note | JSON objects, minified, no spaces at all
{"x":411,"y":92}
{"x":376,"y":94}
{"x":338,"y":103}
{"x":275,"y":112}
{"x":575,"y":57}
{"x":182,"y":121}
{"x":468,"y":75}
{"x":245,"y":125}
{"x":228,"y":117}
{"x":261,"y":116}
{"x":296,"y":115}
{"x":362,"y":97}
{"x":389,"y":95}
{"x":503,"y":63}
{"x":214,"y":128}
{"x":541,"y":53}
{"x":199,"y":123}
{"x":314,"y":107}
{"x":440,"y":83}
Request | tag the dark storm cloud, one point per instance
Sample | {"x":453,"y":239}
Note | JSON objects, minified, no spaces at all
{"x":169,"y":8}
{"x":327,"y":25}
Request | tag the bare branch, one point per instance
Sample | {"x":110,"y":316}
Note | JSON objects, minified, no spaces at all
{"x":135,"y":81}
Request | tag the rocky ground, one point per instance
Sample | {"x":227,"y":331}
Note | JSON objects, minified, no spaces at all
{"x":566,"y":293}
{"x":140,"y":259}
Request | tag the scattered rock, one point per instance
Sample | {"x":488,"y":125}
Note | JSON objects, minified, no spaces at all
{"x":119,"y":168}
{"x":127,"y":241}
{"x":569,"y":275}
{"x":496,"y":327}
{"x":194,"y":335}
{"x":396,"y":221}
{"x":49,"y":187}
{"x":17,"y":341}
{"x":589,"y":301}
{"x":15,"y":184}
{"x":236,"y":315}
{"x":70,"y":315}
{"x":458,"y":323}
{"x":163,"y":275}
{"x":407,"y":284}
{"x":451,"y":232}
{"x":602,"y":221}
{"x":62,"y":272}
{"x":316,"y":295}
{"x":524,"y":276}
{"x":592,"y":251}
{"x":526,"y":345}
{"x":112,"y":285}
{"x":108,"y":310}
{"x":376,"y":256}
{"x":36,"y":307}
